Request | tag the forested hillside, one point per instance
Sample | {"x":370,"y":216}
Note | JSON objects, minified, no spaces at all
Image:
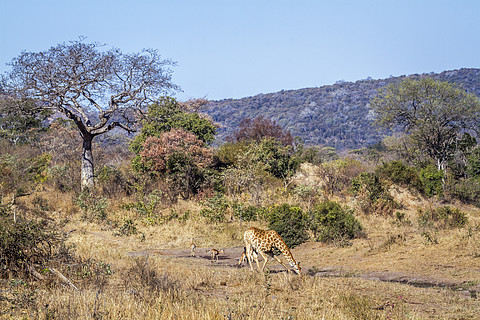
{"x":335,"y":115}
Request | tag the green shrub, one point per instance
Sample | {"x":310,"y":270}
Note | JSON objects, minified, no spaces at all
{"x":245,"y":212}
{"x":214,"y":208}
{"x":373,"y":194}
{"x":279,"y":160}
{"x":290,"y":222}
{"x":473,"y":163}
{"x":370,"y":184}
{"x":399,"y":173}
{"x":467,"y":190}
{"x":93,"y":207}
{"x":432,"y":181}
{"x":442,"y":218}
{"x":20,"y":174}
{"x":331,"y":222}
{"x":228,"y":153}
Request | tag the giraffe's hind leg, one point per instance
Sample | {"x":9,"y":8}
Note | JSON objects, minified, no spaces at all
{"x":248,"y":248}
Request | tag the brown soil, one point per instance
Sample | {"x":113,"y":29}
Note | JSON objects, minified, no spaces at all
{"x":230,"y":259}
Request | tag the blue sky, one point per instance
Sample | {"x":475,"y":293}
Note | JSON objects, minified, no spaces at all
{"x":232,"y":49}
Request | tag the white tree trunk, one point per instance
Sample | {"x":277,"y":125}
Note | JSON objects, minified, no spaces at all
{"x":87,"y":181}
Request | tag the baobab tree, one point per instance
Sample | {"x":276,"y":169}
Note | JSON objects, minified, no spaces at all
{"x":98,"y":88}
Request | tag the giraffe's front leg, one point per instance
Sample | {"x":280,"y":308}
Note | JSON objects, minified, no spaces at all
{"x":281,"y":262}
{"x":265,"y":257}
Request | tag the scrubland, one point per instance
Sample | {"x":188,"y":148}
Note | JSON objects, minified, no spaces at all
{"x":396,"y":271}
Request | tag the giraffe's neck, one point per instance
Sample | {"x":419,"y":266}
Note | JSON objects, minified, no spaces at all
{"x":282,"y":246}
{"x":287,"y":254}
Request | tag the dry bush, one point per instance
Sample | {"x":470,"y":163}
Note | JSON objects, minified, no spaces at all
{"x":337,"y":175}
{"x":145,"y":283}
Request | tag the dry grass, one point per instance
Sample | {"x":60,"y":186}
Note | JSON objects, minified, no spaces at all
{"x":173,"y":290}
{"x":394,"y":273}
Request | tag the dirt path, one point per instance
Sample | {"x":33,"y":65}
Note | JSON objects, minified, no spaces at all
{"x":230,"y":259}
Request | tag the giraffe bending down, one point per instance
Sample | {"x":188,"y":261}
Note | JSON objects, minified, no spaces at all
{"x":193,"y":246}
{"x":215,"y":253}
{"x":263,"y":241}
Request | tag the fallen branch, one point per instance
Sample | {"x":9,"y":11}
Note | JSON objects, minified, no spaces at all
{"x":34,"y":272}
{"x":63,"y":278}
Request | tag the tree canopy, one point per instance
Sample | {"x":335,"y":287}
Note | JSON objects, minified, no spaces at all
{"x":259,"y":128}
{"x":20,"y":119}
{"x":434,"y":114}
{"x":98,"y":88}
{"x":167,"y":113}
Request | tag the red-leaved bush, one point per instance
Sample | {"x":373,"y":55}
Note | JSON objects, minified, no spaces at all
{"x":158,"y":150}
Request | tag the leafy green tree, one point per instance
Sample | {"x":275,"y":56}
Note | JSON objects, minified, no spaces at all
{"x":279,"y":160}
{"x":434,"y":114}
{"x":246,"y":174}
{"x":473,"y":165}
{"x":399,"y":173}
{"x":98,"y":89}
{"x":167,"y":114}
{"x":21,"y":174}
{"x":252,"y":162}
{"x":432,"y":180}
{"x":372,"y":193}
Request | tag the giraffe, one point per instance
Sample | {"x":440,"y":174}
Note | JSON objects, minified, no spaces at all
{"x":193,"y":246}
{"x":215,"y":253}
{"x":263,"y":242}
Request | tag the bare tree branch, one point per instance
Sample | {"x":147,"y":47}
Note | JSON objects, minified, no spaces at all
{"x":80,"y":80}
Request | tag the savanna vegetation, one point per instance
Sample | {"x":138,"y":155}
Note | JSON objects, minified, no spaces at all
{"x":389,"y":231}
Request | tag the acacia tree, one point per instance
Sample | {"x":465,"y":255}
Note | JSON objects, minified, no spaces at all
{"x":434,"y":115}
{"x":98,"y":88}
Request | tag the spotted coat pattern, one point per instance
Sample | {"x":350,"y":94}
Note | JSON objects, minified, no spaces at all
{"x":263,"y":241}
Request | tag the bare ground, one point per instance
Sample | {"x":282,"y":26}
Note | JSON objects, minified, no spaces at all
{"x":230,"y":259}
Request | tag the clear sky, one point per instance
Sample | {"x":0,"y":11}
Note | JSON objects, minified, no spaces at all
{"x":232,"y":49}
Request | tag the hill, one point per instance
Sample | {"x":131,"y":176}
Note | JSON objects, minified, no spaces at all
{"x":333,"y":115}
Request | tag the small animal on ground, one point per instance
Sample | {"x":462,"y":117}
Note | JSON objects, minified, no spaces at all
{"x":243,"y":258}
{"x":193,"y":246}
{"x":215,"y":253}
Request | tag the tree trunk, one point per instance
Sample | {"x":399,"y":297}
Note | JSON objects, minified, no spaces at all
{"x":442,"y":166}
{"x":87,"y":163}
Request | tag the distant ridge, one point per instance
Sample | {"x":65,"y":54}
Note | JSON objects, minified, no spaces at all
{"x":333,"y":115}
